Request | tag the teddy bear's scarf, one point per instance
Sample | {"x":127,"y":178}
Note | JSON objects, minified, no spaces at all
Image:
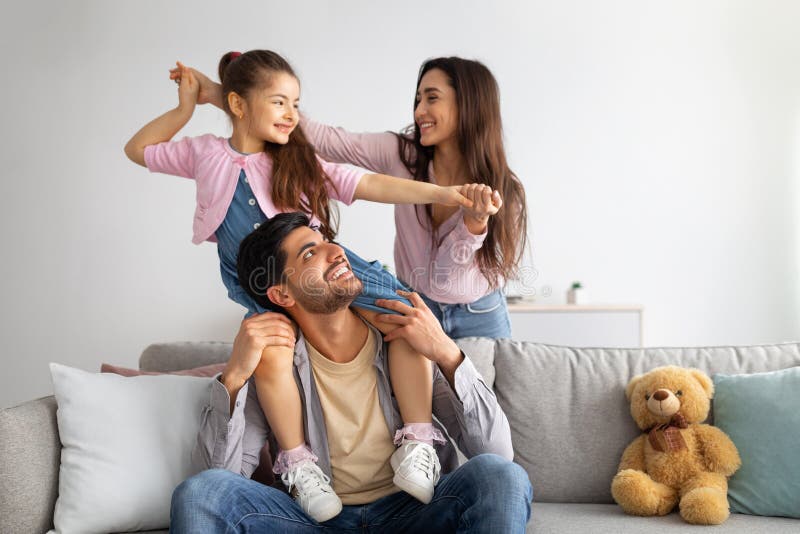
{"x":671,"y":432}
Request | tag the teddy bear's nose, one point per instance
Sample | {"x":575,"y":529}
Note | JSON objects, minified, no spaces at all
{"x":660,"y":395}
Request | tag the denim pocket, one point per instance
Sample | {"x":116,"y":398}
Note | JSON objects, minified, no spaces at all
{"x":486,"y":304}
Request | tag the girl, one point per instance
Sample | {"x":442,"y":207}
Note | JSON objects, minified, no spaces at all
{"x":268,"y":166}
{"x":456,"y":257}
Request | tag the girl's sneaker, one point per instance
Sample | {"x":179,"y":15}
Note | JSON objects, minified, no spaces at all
{"x":416,"y":469}
{"x":312,"y":490}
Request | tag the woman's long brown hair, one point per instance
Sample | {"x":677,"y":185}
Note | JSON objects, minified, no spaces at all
{"x":480,"y":139}
{"x":298,"y":180}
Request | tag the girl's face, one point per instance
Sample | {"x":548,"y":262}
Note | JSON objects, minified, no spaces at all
{"x":271,"y":113}
{"x":436,"y":113}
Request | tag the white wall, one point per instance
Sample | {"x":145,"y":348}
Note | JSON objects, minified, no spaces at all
{"x":658,"y":142}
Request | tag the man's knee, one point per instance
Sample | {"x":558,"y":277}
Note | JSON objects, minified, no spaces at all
{"x":199,"y":487}
{"x":501,"y":475}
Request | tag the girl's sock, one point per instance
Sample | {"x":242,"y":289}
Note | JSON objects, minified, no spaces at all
{"x":285,"y":461}
{"x":423,"y":432}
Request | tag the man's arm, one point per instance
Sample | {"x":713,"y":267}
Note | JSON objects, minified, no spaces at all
{"x":230,"y":440}
{"x":462,"y":401}
{"x":469,"y":411}
{"x":233,"y":428}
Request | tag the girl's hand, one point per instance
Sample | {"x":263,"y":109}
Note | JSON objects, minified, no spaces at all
{"x":209,"y":90}
{"x":485,"y":203}
{"x":453,"y":196}
{"x":188,"y":88}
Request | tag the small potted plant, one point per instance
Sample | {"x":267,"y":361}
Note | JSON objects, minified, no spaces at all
{"x":576,"y":294}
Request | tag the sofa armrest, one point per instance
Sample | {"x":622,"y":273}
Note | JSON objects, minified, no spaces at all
{"x":30,"y":455}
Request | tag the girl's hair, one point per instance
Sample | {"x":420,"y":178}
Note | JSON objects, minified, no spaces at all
{"x":480,"y":139}
{"x":298,"y":180}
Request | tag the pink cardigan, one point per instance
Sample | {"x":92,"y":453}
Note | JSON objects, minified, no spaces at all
{"x":215,"y":167}
{"x":447,"y":273}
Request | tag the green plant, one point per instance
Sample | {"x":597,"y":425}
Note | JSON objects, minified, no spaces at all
{"x":576,"y":285}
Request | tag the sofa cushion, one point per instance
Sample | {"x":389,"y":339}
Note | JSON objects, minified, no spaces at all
{"x":569,"y":418}
{"x":555,"y":518}
{"x":30,"y":453}
{"x":166,"y":357}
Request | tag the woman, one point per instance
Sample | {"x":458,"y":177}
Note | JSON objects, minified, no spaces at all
{"x":457,"y":258}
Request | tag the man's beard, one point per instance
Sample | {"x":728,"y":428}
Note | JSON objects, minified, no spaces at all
{"x":326,"y":299}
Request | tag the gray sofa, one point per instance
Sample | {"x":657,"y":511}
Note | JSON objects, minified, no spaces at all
{"x":567,"y":409}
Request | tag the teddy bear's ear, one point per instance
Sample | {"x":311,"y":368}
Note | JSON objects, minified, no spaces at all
{"x":631,"y":386}
{"x":705,"y":381}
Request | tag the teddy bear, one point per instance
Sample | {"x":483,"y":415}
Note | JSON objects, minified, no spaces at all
{"x":677,"y":460}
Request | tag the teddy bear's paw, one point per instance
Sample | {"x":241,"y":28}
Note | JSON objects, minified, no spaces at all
{"x":705,"y":506}
{"x":638,"y":494}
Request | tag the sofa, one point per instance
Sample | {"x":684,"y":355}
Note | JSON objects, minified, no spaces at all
{"x":566,"y":406}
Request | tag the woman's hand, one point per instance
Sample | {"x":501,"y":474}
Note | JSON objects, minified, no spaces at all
{"x":188,"y":88}
{"x":210,"y":91}
{"x":485,"y":203}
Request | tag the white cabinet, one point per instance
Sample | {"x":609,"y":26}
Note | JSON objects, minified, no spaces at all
{"x":577,"y":325}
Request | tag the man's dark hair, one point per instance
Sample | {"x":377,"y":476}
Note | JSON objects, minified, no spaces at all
{"x":261,"y":259}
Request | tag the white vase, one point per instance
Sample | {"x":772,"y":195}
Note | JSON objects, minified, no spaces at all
{"x":577,"y":296}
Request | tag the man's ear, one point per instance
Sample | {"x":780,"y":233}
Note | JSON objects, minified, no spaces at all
{"x":278,"y":295}
{"x":236,"y":104}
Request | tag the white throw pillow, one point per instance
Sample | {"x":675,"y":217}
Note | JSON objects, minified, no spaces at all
{"x":127,"y":443}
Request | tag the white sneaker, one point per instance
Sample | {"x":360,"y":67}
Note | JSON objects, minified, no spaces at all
{"x":312,"y":491}
{"x":416,"y":469}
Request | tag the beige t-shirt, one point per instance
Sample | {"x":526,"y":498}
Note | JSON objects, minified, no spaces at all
{"x":358,"y":438}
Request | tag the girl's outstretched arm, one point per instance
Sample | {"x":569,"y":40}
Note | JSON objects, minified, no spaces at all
{"x":392,"y":190}
{"x":163,"y":128}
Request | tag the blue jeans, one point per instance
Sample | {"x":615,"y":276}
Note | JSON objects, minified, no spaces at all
{"x":488,"y":495}
{"x":486,"y":317}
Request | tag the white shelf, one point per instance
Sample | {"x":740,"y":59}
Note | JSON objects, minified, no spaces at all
{"x":578,"y":325}
{"x":533,"y":307}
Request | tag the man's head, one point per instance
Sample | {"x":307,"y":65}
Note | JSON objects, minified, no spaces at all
{"x":287,"y":264}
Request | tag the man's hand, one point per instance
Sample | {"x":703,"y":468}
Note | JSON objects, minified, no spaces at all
{"x":256,"y":333}
{"x":420,"y":328}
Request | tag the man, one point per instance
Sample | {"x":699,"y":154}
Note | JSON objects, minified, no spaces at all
{"x":294,"y":267}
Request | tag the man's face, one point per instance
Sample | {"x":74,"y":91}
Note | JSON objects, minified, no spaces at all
{"x":318,"y":274}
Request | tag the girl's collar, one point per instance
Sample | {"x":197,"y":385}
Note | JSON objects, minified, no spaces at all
{"x":235,"y":152}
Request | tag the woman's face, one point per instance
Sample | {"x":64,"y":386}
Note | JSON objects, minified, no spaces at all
{"x":436,"y":113}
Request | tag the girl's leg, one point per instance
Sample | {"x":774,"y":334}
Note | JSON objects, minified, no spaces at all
{"x":280,"y":400}
{"x":411,"y":376}
{"x":415,"y":463}
{"x":279,"y":397}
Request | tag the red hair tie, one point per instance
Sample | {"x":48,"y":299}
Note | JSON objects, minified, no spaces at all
{"x":234,"y":55}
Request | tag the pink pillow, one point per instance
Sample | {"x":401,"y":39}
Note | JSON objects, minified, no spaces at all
{"x":263,"y":472}
{"x":206,"y":370}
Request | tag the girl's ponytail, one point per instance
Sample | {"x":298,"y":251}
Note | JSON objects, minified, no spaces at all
{"x":224,"y":62}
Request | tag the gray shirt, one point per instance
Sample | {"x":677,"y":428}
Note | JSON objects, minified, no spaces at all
{"x":470,"y":414}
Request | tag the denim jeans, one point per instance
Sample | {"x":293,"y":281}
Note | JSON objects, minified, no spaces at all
{"x":487,"y":317}
{"x":488,"y":495}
